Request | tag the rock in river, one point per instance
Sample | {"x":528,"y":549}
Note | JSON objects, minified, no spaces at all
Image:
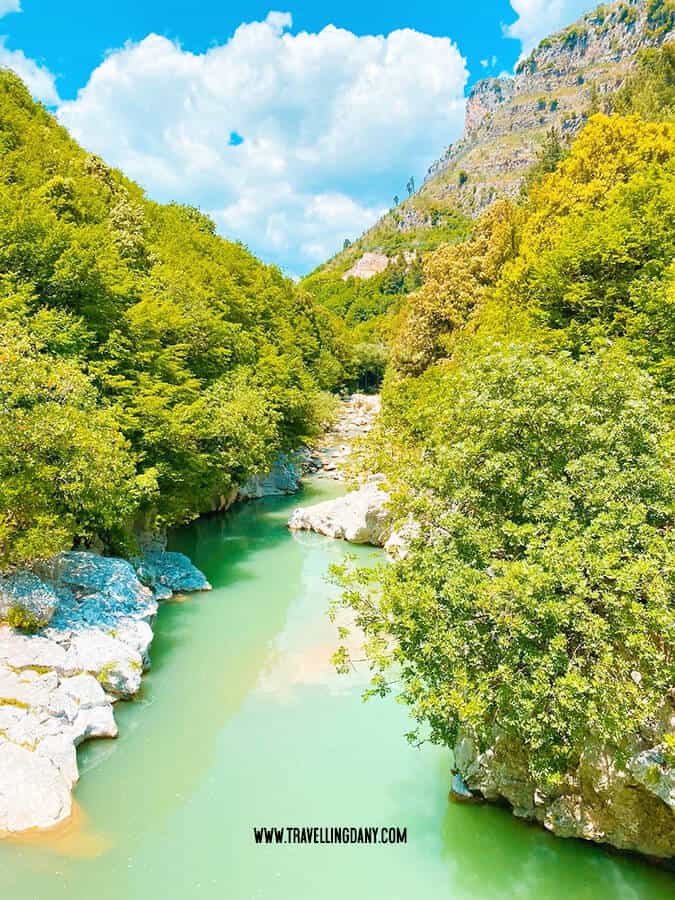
{"x":282,"y":478}
{"x":361,"y":517}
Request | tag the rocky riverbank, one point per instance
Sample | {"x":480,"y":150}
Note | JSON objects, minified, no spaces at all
{"x":355,"y":418}
{"x":362,"y":516}
{"x":629,"y":805}
{"x":58,"y":684}
{"x":75,"y":635}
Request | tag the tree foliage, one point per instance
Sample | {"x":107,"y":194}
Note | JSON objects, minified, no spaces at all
{"x":527,"y":429}
{"x":170,"y":363}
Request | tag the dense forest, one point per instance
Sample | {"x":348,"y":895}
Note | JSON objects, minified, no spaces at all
{"x":527,"y":435}
{"x":147,"y":364}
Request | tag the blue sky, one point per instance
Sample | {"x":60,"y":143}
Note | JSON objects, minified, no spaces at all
{"x":71,"y":38}
{"x":292,"y":124}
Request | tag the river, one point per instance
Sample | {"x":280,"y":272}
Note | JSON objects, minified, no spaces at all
{"x":242,"y":722}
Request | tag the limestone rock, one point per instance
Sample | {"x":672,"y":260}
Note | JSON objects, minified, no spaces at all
{"x":283,"y":478}
{"x":116,"y":665}
{"x":650,"y":769}
{"x":57,"y":687}
{"x":34,"y":791}
{"x":168,"y":572}
{"x":631,"y":807}
{"x":367,"y":265}
{"x":360,"y":517}
{"x":507,"y":117}
{"x":43,"y":716}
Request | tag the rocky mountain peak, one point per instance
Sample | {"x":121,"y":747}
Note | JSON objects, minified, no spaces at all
{"x":557,"y":86}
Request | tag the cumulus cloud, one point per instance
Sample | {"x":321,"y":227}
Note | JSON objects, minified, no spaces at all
{"x":38,"y":79}
{"x":538,"y":18}
{"x":328,"y":127}
{"x":9,"y":6}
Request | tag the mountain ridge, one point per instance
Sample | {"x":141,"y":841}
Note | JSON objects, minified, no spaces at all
{"x":567,"y":77}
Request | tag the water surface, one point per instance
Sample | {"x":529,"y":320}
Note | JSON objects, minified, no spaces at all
{"x":243,"y":722}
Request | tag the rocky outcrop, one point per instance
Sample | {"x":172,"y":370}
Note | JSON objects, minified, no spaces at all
{"x":282,"y":478}
{"x":368,"y":265}
{"x":372,"y":263}
{"x":567,"y":77}
{"x":43,"y":717}
{"x":57,"y":686}
{"x":360,"y":517}
{"x":168,"y":573}
{"x":631,"y":806}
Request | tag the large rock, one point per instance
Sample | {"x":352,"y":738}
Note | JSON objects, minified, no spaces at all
{"x":361,"y":517}
{"x":167,"y":572}
{"x":283,"y":478}
{"x":27,"y":599}
{"x":57,"y":686}
{"x":631,"y":807}
{"x":43,"y":717}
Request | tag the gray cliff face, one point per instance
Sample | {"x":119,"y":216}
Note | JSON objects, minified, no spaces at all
{"x":631,"y":806}
{"x":569,"y":76}
{"x":566,"y":78}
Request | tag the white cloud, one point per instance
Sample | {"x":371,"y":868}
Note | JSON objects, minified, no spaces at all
{"x":332,"y":126}
{"x":9,"y":6}
{"x":38,"y":79}
{"x":539,"y":18}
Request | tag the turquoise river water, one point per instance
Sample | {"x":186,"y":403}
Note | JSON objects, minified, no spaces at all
{"x":243,"y":722}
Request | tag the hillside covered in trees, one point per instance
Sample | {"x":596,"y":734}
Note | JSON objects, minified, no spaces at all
{"x":527,"y":432}
{"x":147,"y":364}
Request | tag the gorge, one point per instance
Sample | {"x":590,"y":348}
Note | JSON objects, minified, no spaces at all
{"x":508,"y":499}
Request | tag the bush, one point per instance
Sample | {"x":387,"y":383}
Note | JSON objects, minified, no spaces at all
{"x":542,"y":581}
{"x":22,"y":619}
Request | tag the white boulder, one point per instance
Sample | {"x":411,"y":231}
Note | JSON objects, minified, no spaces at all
{"x":360,"y":517}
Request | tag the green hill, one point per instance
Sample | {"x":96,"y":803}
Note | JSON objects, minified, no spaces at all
{"x":147,"y":364}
